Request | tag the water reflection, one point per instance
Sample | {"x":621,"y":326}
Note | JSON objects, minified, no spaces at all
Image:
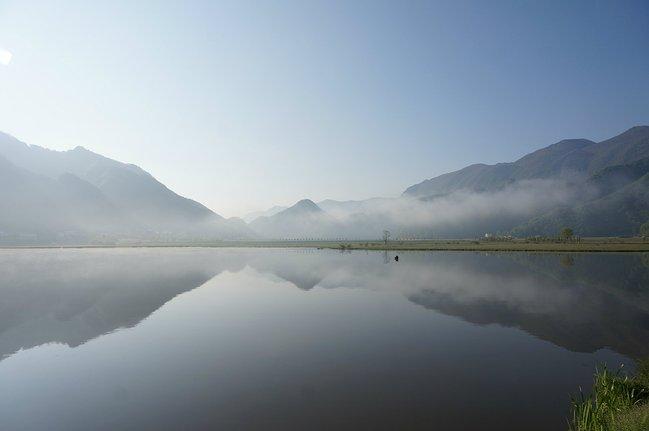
{"x":306,"y":339}
{"x":72,"y":296}
{"x":580,"y":302}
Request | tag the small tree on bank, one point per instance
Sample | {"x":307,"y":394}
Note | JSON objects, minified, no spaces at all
{"x":386,"y":236}
{"x":644,"y":230}
{"x":566,"y":234}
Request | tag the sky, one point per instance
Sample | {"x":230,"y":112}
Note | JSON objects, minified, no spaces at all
{"x":243,"y":105}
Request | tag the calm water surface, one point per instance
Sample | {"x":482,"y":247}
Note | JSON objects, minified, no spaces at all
{"x":236,"y":339}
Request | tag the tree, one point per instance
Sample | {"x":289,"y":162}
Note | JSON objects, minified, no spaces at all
{"x":644,"y":230}
{"x":386,"y":236}
{"x":566,"y":233}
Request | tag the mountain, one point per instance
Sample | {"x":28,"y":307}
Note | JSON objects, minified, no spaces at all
{"x":615,"y":177}
{"x":597,"y":188}
{"x":34,"y":206}
{"x":77,"y":196}
{"x":605,"y":184}
{"x":87,"y":195}
{"x":305,"y":219}
{"x":570,"y":159}
{"x":619,"y":213}
{"x":248,"y":218}
{"x":348,"y":208}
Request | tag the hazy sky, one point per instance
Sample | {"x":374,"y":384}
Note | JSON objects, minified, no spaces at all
{"x":244,"y":105}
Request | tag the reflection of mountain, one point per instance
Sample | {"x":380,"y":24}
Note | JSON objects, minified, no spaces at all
{"x":582,"y":303}
{"x":600,"y":320}
{"x":75,"y":296}
{"x":302,"y":269}
{"x":583,"y":307}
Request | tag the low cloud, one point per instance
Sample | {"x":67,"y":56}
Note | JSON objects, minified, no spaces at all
{"x":465,"y":213}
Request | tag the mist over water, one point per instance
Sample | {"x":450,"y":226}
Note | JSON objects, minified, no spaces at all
{"x":295,"y":339}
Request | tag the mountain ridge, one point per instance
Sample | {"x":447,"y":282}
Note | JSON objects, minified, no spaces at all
{"x":140,"y":205}
{"x":303,"y":219}
{"x":568,"y":157}
{"x":597,"y":188}
{"x":573,"y":182}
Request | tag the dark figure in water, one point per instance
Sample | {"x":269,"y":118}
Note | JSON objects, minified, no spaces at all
{"x":396,"y":258}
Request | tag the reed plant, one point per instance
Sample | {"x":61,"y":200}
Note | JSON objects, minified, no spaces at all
{"x":617,"y":402}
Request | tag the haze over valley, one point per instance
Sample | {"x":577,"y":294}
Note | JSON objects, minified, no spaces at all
{"x":77,"y":196}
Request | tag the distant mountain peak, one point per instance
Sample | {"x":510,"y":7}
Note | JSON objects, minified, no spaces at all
{"x":306,"y":203}
{"x":305,"y":218}
{"x":303,"y":206}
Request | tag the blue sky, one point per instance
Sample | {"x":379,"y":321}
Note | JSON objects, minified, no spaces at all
{"x":244,"y":105}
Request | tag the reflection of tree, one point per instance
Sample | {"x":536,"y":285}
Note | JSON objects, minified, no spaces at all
{"x":386,"y":236}
{"x":567,"y":261}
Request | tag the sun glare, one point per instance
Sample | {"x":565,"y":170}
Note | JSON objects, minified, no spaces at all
{"x":5,"y":57}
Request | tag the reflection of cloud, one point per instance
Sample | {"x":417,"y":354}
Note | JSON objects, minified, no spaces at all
{"x":5,"y":57}
{"x":576,"y":307}
{"x":467,"y":279}
{"x":72,"y":296}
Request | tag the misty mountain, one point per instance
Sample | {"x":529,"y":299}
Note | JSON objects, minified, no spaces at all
{"x":304,"y":219}
{"x":597,"y":188}
{"x":348,"y":208}
{"x":616,"y":177}
{"x":606,"y":191}
{"x":80,"y":195}
{"x":570,"y":159}
{"x":39,"y":205}
{"x":619,"y":213}
{"x":248,"y":218}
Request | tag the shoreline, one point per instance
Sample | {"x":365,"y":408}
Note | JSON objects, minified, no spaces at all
{"x":587,"y":245}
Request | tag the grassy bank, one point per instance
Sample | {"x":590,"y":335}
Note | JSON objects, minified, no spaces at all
{"x":583,"y":245}
{"x":617,"y":402}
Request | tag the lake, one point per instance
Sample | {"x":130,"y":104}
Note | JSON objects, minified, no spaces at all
{"x":237,"y":339}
